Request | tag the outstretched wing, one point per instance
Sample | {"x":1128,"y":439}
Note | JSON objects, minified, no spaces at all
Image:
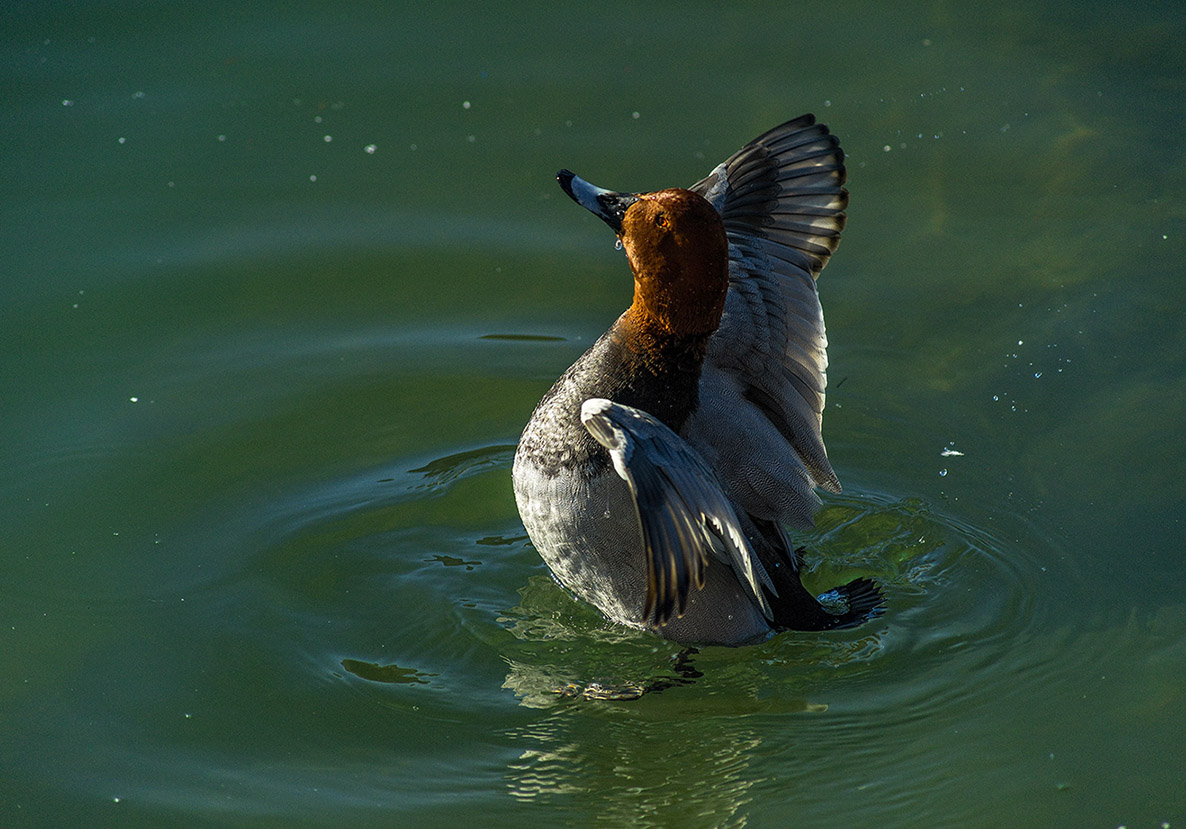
{"x":782,"y":200}
{"x":683,"y":515}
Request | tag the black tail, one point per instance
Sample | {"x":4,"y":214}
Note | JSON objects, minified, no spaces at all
{"x":797,"y":609}
{"x":862,"y":599}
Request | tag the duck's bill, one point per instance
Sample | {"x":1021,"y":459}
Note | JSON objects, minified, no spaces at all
{"x":607,"y":205}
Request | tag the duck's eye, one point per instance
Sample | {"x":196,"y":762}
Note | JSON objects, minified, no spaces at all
{"x":661,"y":220}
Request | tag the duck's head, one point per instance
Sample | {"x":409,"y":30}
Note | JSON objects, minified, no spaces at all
{"x":675,"y":243}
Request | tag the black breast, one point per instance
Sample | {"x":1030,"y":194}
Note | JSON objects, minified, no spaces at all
{"x":656,"y":373}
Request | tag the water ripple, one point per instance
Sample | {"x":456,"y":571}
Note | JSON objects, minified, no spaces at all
{"x":956,"y":594}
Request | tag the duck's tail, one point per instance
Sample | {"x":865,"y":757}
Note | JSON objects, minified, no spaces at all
{"x":854,"y":603}
{"x":796,"y":608}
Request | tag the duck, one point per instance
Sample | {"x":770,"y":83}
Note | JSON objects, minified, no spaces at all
{"x":659,"y":476}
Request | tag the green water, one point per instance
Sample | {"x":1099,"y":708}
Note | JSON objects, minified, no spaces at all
{"x":283,"y":283}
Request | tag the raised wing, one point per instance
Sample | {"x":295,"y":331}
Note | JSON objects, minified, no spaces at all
{"x":683,"y":515}
{"x":782,"y":200}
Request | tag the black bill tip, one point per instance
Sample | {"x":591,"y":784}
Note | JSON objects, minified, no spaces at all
{"x":607,"y":205}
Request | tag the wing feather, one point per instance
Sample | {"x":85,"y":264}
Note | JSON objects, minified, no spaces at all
{"x":782,"y":200}
{"x":684,"y":517}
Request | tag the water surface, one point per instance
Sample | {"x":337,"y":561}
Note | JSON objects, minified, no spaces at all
{"x":283,"y":283}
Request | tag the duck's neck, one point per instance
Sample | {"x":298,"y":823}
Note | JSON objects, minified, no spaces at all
{"x":661,"y":369}
{"x":677,"y":305}
{"x":657,"y":346}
